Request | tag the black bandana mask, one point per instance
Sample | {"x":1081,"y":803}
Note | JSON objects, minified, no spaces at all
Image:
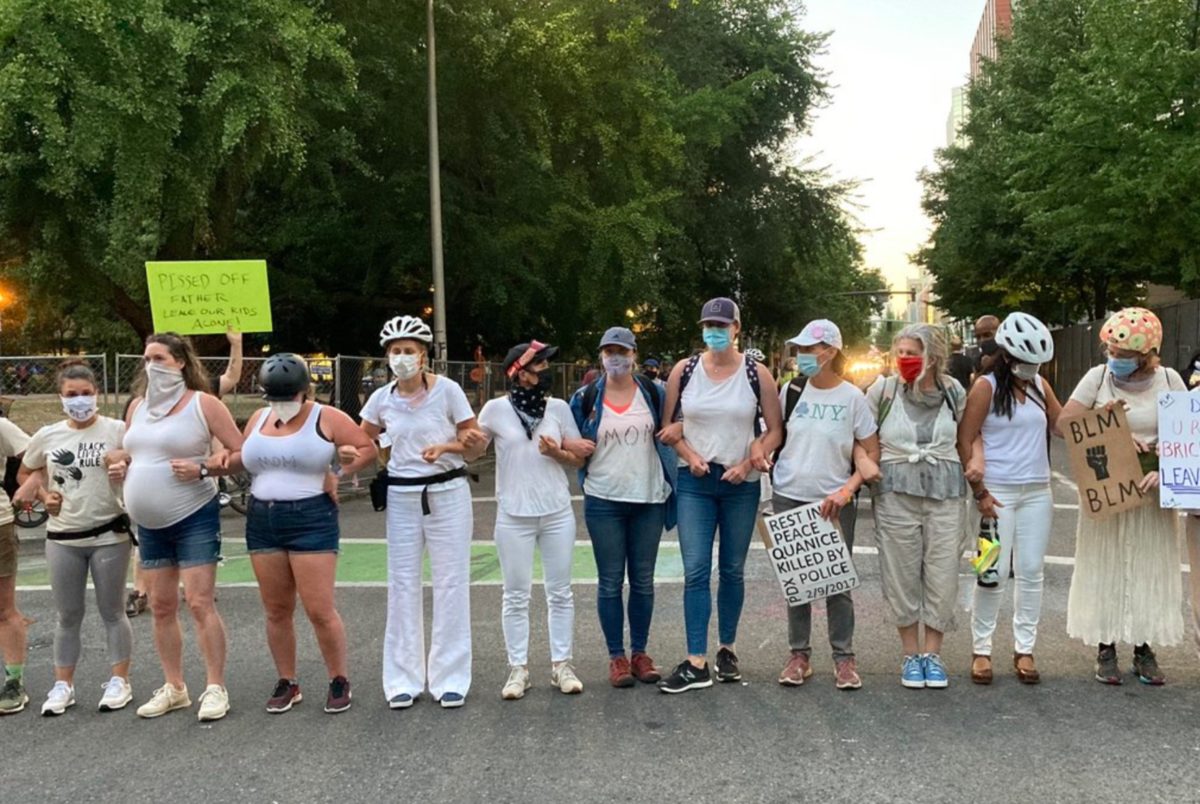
{"x":530,"y":403}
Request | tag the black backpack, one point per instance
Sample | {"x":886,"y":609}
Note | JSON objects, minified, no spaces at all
{"x":751,"y":376}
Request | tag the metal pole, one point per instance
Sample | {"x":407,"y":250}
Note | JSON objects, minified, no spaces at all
{"x":435,"y":204}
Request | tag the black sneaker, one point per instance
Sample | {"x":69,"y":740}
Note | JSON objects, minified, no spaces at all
{"x":686,"y":677}
{"x":338,"y":699}
{"x":727,"y":666}
{"x":1107,"y":669}
{"x":287,"y":693}
{"x":1145,"y":667}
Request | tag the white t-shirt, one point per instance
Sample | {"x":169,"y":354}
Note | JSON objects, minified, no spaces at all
{"x":74,"y":462}
{"x":13,"y":442}
{"x":413,"y":424}
{"x":528,"y":483}
{"x":625,"y":466}
{"x":1098,"y":387}
{"x":815,"y":461}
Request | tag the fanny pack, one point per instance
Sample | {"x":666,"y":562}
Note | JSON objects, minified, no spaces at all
{"x":119,"y":525}
{"x":379,"y":486}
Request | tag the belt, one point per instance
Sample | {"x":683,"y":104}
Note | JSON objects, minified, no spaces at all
{"x":118,"y":525}
{"x":427,"y":481}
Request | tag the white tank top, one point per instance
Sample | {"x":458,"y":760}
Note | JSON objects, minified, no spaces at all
{"x":154,"y":497}
{"x":718,"y":417}
{"x":1015,"y":449}
{"x":288,"y":467}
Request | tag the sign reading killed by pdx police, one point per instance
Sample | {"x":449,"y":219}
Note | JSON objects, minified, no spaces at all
{"x":1104,"y":461}
{"x":1179,"y":449}
{"x":808,"y":554}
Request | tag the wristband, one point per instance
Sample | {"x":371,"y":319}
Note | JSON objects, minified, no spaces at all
{"x":979,"y":495}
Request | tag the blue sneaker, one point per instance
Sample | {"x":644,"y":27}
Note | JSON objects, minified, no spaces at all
{"x":452,"y":700}
{"x":912,"y":675}
{"x":935,"y":672}
{"x":401,"y":701}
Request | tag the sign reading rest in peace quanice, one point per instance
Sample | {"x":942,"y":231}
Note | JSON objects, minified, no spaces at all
{"x":810,"y":558}
{"x":1104,"y":461}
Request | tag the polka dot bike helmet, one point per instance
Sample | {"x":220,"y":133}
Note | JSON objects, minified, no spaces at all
{"x":407,"y":327}
{"x":1025,"y":339}
{"x":756,"y":355}
{"x":1134,"y":328}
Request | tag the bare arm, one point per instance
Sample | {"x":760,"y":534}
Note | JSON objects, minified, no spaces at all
{"x":343,"y":432}
{"x":233,"y":372}
{"x":772,"y":412}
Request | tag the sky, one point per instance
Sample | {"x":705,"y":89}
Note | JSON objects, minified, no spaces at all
{"x":893,"y":65}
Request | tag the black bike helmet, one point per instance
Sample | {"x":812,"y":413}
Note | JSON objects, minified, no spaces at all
{"x":282,"y":376}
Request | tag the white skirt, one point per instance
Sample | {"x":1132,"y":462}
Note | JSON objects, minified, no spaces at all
{"x":1127,"y":585}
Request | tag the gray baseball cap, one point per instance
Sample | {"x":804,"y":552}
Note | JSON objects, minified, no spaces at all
{"x":720,"y":309}
{"x":619,"y":336}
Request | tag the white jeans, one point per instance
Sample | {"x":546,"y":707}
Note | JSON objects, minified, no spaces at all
{"x":1024,"y":530}
{"x":1192,"y":537}
{"x":446,"y":533}
{"x":554,"y":535}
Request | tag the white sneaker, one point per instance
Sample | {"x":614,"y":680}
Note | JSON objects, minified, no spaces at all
{"x":117,"y":695}
{"x":62,"y":695}
{"x":518,"y":682}
{"x":563,"y":676}
{"x":214,"y":703}
{"x":166,"y":698}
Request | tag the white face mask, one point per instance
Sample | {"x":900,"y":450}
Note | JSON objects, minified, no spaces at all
{"x":405,"y":367}
{"x":164,"y":388}
{"x":286,"y":410}
{"x":79,"y":408}
{"x":1025,"y":371}
{"x":618,"y":365}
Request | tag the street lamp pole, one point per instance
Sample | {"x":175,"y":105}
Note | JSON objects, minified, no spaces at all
{"x":435,"y":202}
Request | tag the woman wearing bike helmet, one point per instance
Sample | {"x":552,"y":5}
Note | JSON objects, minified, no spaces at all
{"x":292,"y":521}
{"x":428,"y":508}
{"x":1015,"y":410}
{"x":1127,"y":586}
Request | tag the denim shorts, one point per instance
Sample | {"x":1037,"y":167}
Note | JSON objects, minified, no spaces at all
{"x":193,"y":541}
{"x":297,"y":526}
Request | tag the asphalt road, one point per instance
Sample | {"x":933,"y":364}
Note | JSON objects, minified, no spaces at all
{"x":1069,"y":739}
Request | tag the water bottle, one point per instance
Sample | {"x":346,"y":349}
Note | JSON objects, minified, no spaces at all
{"x":987,"y":553}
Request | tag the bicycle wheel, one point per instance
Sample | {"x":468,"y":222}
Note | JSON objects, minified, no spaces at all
{"x":32,"y":517}
{"x":237,"y":489}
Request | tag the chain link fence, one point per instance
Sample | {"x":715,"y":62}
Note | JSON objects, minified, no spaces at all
{"x":29,"y":395}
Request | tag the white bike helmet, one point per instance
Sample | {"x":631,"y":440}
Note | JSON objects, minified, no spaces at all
{"x":405,"y":326}
{"x":1026,"y":339}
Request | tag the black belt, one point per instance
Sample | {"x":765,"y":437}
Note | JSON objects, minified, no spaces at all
{"x":118,"y":525}
{"x":427,"y":481}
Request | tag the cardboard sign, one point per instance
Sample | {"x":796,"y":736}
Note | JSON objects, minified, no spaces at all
{"x":1179,"y":449}
{"x":808,"y":554}
{"x":1104,"y":461}
{"x":209,"y":298}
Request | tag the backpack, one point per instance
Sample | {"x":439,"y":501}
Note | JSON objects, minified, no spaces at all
{"x":886,"y":400}
{"x":592,"y":390}
{"x":751,"y":375}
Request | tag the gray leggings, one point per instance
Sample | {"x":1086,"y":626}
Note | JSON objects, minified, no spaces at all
{"x":69,"y":567}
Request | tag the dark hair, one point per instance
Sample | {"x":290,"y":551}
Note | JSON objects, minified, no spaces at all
{"x":75,"y":370}
{"x":1002,"y":399}
{"x":194,"y":375}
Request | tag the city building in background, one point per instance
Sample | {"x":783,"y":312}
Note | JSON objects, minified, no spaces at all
{"x":996,"y":22}
{"x":958,"y":116}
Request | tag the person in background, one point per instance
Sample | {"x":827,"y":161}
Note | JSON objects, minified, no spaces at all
{"x":787,"y":373}
{"x":650,"y":370}
{"x":959,"y":366}
{"x":985,"y":344}
{"x":1191,"y":373}
{"x":13,"y":697}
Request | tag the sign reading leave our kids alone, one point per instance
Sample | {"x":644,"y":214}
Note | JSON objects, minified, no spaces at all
{"x":209,"y":297}
{"x":1179,"y":449}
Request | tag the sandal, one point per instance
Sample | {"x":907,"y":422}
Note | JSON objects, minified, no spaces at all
{"x":1027,"y":672}
{"x":136,"y":603}
{"x":981,"y":669}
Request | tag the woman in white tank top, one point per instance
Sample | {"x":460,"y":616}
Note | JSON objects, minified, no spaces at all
{"x":292,"y":523}
{"x":167,"y":466}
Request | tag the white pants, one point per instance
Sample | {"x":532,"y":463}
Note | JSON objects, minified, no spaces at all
{"x":1192,"y":537}
{"x":554,"y":535}
{"x":446,"y":533}
{"x":1023,"y":525}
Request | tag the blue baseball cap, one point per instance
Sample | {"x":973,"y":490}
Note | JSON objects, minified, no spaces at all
{"x":619,"y":336}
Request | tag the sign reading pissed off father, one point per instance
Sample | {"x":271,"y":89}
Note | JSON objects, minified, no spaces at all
{"x":209,"y":297}
{"x":810,"y":558}
{"x":1104,"y":461}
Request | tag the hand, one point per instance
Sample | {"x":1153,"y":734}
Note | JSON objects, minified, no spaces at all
{"x":115,"y":456}
{"x":431,"y":454}
{"x":758,"y":457}
{"x":185,"y":470}
{"x":583,"y":447}
{"x":347,"y":454}
{"x":988,"y":505}
{"x":219,"y":460}
{"x":27,"y":495}
{"x":868,"y":470}
{"x":672,"y":434}
{"x":472,"y":438}
{"x":975,"y":467}
{"x":53,"y":503}
{"x":697,"y":465}
{"x":331,"y":487}
{"x":1149,"y":482}
{"x":547,"y":446}
{"x":116,"y":470}
{"x":832,"y":505}
{"x":234,"y":338}
{"x":737,"y":474}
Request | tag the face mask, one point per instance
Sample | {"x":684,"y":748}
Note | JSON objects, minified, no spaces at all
{"x":79,"y":408}
{"x":618,"y":365}
{"x":164,"y":388}
{"x":545,"y":381}
{"x":405,"y":367}
{"x":910,"y":367}
{"x":808,"y":365}
{"x":717,"y":338}
{"x":652,"y":373}
{"x":286,"y":410}
{"x":1024,"y":371}
{"x":1122,"y":367}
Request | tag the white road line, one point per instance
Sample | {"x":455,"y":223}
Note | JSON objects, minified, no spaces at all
{"x":1066,"y":481}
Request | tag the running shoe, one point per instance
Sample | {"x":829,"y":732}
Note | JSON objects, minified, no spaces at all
{"x":1108,"y":670}
{"x":285,"y":696}
{"x":13,"y":697}
{"x":518,"y":682}
{"x":912,"y":672}
{"x":686,"y":677}
{"x":165,"y":699}
{"x":214,"y":703}
{"x":620,"y":672}
{"x":401,"y":701}
{"x":1145,"y":667}
{"x":846,"y":674}
{"x":645,"y":670}
{"x":136,"y":603}
{"x":117,"y":695}
{"x":562,"y":675}
{"x":62,"y":696}
{"x":935,"y":672}
{"x":727,"y":666}
{"x":338,"y":699}
{"x":797,"y":670}
{"x":452,"y":700}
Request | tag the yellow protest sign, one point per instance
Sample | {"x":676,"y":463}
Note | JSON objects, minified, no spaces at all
{"x":209,"y":297}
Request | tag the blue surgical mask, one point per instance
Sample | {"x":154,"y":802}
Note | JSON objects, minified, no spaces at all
{"x":1122,"y":367}
{"x":717,"y":338}
{"x":808,"y":365}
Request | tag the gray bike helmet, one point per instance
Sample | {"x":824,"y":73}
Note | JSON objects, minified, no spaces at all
{"x":282,"y":376}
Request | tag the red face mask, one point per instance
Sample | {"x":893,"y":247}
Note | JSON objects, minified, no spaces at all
{"x":910,"y":368}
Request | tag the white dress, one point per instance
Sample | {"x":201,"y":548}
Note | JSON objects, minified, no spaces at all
{"x":1127,"y":585}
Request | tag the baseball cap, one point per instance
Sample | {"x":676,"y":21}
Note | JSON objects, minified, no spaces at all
{"x":525,"y":354}
{"x":651,"y":363}
{"x":618,"y":336}
{"x":820,"y":331}
{"x":720,"y":309}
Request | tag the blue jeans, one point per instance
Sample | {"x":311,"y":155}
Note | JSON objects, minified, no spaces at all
{"x":624,"y":536}
{"x":706,"y":504}
{"x":193,"y":541}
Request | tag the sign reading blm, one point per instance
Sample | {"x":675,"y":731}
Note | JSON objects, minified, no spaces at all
{"x":808,"y":555}
{"x":209,"y":297}
{"x":1179,"y":449}
{"x":1103,"y":460}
